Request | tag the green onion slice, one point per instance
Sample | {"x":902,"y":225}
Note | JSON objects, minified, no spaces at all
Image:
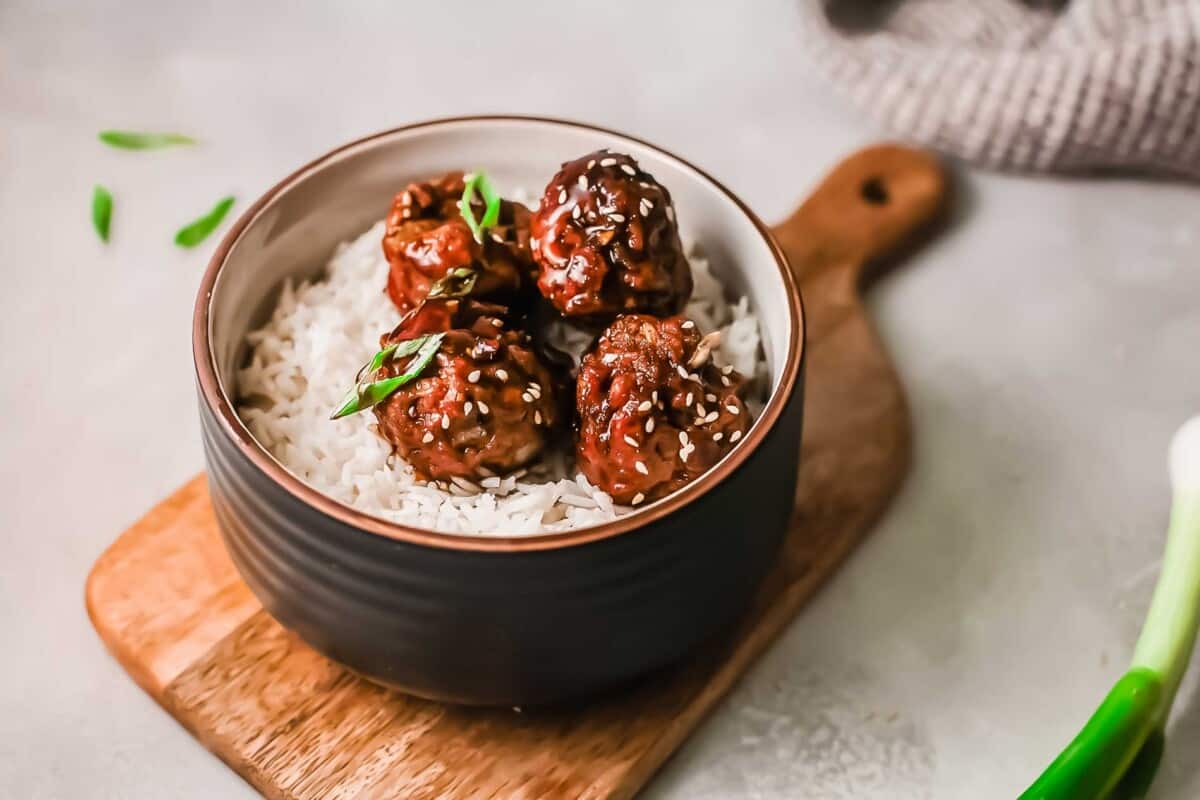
{"x":366,"y":394}
{"x":479,"y":182}
{"x":197,"y":231}
{"x":102,"y":204}
{"x":456,"y":283}
{"x":135,"y":140}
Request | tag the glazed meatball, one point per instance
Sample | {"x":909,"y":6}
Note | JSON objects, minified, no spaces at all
{"x":484,"y":406}
{"x":438,"y":315}
{"x":654,"y":410}
{"x":605,"y":241}
{"x":426,"y":238}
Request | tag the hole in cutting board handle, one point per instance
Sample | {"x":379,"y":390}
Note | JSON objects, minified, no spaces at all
{"x":874,"y":191}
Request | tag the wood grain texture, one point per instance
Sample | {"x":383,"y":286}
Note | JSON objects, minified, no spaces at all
{"x":169,"y":605}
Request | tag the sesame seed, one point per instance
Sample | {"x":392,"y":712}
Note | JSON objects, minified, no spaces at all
{"x":628,"y":170}
{"x":451,"y":395}
{"x":617,"y":217}
{"x":445,"y":422}
{"x":693,"y":376}
{"x":687,"y":401}
{"x":609,"y":358}
{"x":639,"y":497}
{"x":483,"y":407}
{"x":527,"y":397}
{"x":406,"y":213}
{"x":644,"y":206}
{"x":683,"y":438}
{"x":608,"y":162}
{"x":644,"y":405}
{"x":583,"y":182}
{"x":712,"y":398}
{"x":712,"y":417}
{"x":537,"y":417}
{"x":718,"y":436}
{"x":732,"y":409}
{"x":724,"y":381}
{"x":535,"y":385}
{"x":562,"y":196}
{"x":533,"y":242}
{"x":700,"y":412}
{"x":473,"y":376}
{"x":406,"y":197}
{"x":575,"y":212}
{"x":632,"y":442}
{"x":591,"y":163}
{"x":688,"y":325}
{"x":682,"y":372}
{"x":497,"y":322}
{"x":650,"y":425}
{"x":467,"y":406}
{"x":502,"y":374}
{"x":654,"y":395}
{"x":728,"y":368}
{"x":640,"y":466}
{"x":644,"y":184}
{"x":427,"y":438}
{"x":733,"y":437}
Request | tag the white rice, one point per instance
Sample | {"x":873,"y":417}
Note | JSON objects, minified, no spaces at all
{"x":321,"y":333}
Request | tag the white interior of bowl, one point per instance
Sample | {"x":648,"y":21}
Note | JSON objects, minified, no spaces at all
{"x":335,"y":200}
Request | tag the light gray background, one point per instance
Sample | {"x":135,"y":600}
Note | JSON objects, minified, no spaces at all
{"x":1048,"y":343}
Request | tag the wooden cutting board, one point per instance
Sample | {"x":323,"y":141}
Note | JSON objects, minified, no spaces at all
{"x":169,"y":605}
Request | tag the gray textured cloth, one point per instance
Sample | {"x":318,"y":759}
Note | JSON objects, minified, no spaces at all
{"x":1042,"y":86}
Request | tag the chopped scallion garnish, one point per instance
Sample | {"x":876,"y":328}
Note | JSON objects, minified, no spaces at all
{"x":196,"y":232}
{"x":456,"y":283}
{"x":134,"y":140}
{"x":368,"y":393}
{"x":102,"y":204}
{"x":479,"y":182}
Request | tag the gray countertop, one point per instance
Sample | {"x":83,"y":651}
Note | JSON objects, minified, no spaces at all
{"x":1048,"y":342}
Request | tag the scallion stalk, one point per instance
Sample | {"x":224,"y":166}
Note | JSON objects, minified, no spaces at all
{"x":1116,"y":755}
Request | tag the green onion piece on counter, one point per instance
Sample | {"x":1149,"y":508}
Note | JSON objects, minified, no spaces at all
{"x":135,"y":140}
{"x":102,"y":204}
{"x":196,"y":232}
{"x":1116,"y":755}
{"x":456,"y":283}
{"x":491,"y":215}
{"x":366,"y":394}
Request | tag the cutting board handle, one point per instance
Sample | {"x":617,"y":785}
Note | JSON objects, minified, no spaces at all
{"x":867,"y":209}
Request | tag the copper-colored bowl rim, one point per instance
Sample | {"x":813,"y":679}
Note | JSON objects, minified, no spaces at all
{"x":232,"y":426}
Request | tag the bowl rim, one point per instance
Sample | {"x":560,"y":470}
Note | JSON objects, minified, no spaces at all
{"x":235,"y":430}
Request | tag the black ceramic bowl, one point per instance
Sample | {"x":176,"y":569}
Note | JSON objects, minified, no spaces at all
{"x":486,"y":620}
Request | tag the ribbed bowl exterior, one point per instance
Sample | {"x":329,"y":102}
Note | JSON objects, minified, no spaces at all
{"x":524,"y":627}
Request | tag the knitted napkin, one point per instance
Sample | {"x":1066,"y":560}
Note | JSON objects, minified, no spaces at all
{"x":1040,"y":86}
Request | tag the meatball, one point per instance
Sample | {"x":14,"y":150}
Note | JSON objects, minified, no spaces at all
{"x":484,"y":406}
{"x":605,"y":241}
{"x":654,"y":410}
{"x":438,"y":315}
{"x":426,"y":238}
